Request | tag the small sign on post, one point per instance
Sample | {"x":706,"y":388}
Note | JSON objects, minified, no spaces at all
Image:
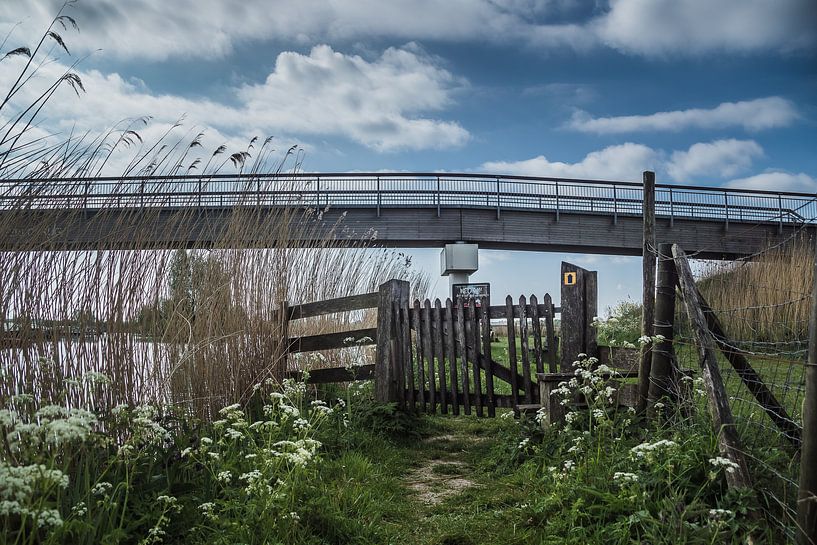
{"x":468,"y":292}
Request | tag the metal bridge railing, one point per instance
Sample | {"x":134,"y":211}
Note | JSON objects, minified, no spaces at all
{"x":415,"y":190}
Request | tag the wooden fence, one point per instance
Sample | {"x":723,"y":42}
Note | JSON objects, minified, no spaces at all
{"x":439,"y":355}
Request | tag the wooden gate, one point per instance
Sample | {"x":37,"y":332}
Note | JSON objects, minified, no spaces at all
{"x":445,"y":355}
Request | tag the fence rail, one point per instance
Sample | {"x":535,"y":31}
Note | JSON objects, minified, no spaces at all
{"x":409,"y":190}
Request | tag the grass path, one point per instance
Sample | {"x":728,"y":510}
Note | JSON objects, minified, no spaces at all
{"x":457,"y":492}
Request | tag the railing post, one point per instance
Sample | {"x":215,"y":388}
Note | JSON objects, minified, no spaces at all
{"x":615,"y":206}
{"x":318,"y":194}
{"x":497,"y":198}
{"x":198,"y":192}
{"x":557,"y":201}
{"x":386,"y":375}
{"x":726,"y":209}
{"x":378,"y":196}
{"x":438,"y":196}
{"x":671,"y":209}
{"x":780,"y":211}
{"x":142,"y":194}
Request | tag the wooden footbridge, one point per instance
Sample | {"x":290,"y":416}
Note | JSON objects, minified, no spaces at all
{"x":406,"y":210}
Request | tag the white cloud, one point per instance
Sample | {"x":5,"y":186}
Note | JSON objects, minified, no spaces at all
{"x":777,"y":181}
{"x":373,"y":103}
{"x":153,"y":29}
{"x":752,"y":115}
{"x":720,"y":158}
{"x":378,"y":103}
{"x":660,"y":27}
{"x":620,"y":162}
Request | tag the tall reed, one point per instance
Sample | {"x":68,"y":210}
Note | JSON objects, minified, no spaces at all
{"x":766,"y":298}
{"x":177,"y":307}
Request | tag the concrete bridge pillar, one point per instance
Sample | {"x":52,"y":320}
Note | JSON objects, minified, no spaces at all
{"x":458,"y":261}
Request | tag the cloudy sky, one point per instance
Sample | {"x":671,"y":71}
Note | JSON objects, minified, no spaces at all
{"x":712,"y":92}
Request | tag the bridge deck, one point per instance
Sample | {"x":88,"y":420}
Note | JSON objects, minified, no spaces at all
{"x":406,"y":210}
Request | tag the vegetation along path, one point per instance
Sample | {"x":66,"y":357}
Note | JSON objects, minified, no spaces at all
{"x":449,"y":482}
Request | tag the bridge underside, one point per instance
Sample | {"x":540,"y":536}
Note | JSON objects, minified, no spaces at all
{"x":395,"y":227}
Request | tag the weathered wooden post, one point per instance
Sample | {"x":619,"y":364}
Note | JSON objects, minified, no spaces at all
{"x":386,"y":374}
{"x":717,"y":398}
{"x":807,"y":495}
{"x":283,"y":333}
{"x":662,"y":385}
{"x":579,"y":307}
{"x":648,"y":275}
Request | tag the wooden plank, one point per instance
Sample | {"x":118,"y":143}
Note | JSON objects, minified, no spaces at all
{"x":717,"y":398}
{"x":499,"y":311}
{"x":648,"y":253}
{"x":472,"y":340}
{"x":550,"y":332}
{"x":504,"y":373}
{"x":329,"y":306}
{"x":450,"y":343}
{"x":523,"y":347}
{"x":807,"y":492}
{"x":536,"y":327}
{"x":337,"y":374}
{"x":329,"y":341}
{"x":663,"y":388}
{"x":512,"y":362}
{"x":408,"y":364}
{"x":591,"y":311}
{"x":399,"y":353}
{"x":429,"y":356}
{"x":753,"y":381}
{"x":385,"y":382}
{"x":283,"y":333}
{"x":486,"y":350}
{"x":418,"y":337}
{"x":502,"y":401}
{"x":462,"y":350}
{"x":437,"y":329}
{"x":572,"y":336}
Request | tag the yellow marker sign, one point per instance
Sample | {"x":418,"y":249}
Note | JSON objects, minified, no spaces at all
{"x":569,"y":279}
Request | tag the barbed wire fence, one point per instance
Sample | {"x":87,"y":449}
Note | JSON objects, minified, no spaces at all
{"x":762,"y":308}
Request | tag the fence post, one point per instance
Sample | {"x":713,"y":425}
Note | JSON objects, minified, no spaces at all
{"x":662,"y":376}
{"x":386,"y":376}
{"x":378,"y":196}
{"x":807,"y":494}
{"x":283,"y":319}
{"x":648,"y":276}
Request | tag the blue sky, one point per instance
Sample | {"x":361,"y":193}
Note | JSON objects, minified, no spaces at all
{"x":712,"y":92}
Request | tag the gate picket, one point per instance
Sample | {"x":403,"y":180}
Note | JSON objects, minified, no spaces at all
{"x":512,"y":352}
{"x":523,"y":346}
{"x":418,"y":337}
{"x":429,"y":356}
{"x":485,"y":307}
{"x":437,"y":328}
{"x":408,"y":365}
{"x":536,"y":326}
{"x":551,"y":335}
{"x":471,"y":316}
{"x":448,"y":333}
{"x":462,"y":350}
